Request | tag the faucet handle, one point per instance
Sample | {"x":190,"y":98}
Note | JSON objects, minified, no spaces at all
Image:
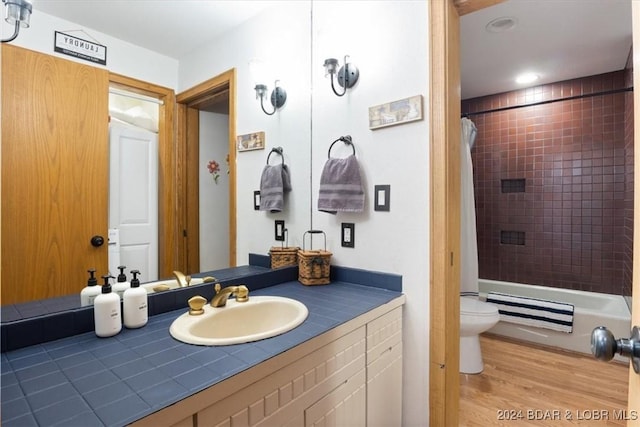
{"x":217,"y":288}
{"x":242,"y":293}
{"x":196,"y":305}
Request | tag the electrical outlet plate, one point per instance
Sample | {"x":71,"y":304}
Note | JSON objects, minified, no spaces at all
{"x":348,"y":235}
{"x":279,"y":230}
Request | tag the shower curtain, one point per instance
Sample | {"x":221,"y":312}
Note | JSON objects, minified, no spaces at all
{"x":468,"y":237}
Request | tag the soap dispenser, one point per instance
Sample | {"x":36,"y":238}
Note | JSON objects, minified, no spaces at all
{"x":121,"y":284}
{"x":106,"y":311}
{"x":89,"y":293}
{"x":135,"y":310}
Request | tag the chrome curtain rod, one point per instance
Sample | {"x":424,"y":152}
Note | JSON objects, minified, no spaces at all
{"x":549,"y":101}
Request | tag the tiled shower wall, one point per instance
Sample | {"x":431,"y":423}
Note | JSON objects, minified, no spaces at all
{"x":550,"y":184}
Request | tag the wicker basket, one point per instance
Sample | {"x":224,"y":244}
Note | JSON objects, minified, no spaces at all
{"x":283,"y":256}
{"x":314,"y":266}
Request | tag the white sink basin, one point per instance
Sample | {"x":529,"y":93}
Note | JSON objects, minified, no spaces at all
{"x":240,"y":322}
{"x":166,"y":285}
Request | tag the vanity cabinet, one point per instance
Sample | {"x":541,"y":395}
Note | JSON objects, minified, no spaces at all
{"x":281,"y":397}
{"x":384,"y":370}
{"x":351,"y":375}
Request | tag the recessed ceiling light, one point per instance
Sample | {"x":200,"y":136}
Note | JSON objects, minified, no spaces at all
{"x":502,"y":24}
{"x":526,"y":78}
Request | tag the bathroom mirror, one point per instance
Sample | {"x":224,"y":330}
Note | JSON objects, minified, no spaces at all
{"x":289,"y":127}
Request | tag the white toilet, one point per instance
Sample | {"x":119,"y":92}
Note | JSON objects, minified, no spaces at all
{"x":475,"y":317}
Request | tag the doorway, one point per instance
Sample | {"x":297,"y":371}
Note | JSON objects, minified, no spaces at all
{"x":133,"y":200}
{"x":167,"y":167}
{"x":214,"y":188}
{"x":445,"y":210}
{"x":206,"y":102}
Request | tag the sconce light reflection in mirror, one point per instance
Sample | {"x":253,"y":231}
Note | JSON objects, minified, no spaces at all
{"x":347,"y":74}
{"x":278,"y":97}
{"x":18,"y":13}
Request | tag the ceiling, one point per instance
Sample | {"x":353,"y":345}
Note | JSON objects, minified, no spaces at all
{"x":556,"y":39}
{"x":171,"y":28}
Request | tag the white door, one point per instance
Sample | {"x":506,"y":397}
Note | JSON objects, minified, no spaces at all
{"x":133,"y":199}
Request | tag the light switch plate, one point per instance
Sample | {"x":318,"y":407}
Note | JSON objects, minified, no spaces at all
{"x":256,"y":200}
{"x":348,"y":235}
{"x":279,"y":230}
{"x":382,"y":194}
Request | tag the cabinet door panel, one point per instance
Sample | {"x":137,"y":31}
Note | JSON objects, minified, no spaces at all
{"x":384,"y":389}
{"x":344,"y":406}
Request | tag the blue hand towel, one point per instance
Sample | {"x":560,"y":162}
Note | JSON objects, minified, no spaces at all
{"x":341,"y":186}
{"x":274,"y":182}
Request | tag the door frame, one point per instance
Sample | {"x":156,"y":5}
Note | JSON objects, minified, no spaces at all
{"x":444,"y":312}
{"x":444,"y":87}
{"x":187,"y":142}
{"x":167,"y":184}
{"x":634,"y":379}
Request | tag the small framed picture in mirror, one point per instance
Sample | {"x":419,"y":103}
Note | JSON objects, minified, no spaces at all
{"x":251,"y":141}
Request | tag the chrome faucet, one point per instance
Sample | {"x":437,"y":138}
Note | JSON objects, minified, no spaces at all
{"x":220,"y":298}
{"x":183,"y":281}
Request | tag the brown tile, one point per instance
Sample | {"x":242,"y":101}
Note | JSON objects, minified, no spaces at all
{"x":577,"y":157}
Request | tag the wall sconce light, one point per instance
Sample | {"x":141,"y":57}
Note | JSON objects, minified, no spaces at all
{"x":278,"y":96}
{"x":347,"y":75}
{"x":18,"y":13}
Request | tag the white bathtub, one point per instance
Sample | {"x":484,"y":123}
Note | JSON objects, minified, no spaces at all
{"x":591,"y":309}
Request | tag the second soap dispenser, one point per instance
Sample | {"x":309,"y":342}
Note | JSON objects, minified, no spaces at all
{"x":121,"y":284}
{"x":91,"y":291}
{"x":135,"y":310}
{"x":106,"y":311}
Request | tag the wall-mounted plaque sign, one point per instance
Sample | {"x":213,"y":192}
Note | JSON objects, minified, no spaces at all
{"x":79,"y":48}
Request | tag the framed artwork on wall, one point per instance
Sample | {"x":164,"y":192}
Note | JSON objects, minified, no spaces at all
{"x":396,"y":112}
{"x":250,"y":141}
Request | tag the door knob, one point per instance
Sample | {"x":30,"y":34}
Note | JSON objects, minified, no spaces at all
{"x":97,"y":241}
{"x":604,"y":346}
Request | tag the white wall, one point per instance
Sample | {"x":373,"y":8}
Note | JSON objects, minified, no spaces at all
{"x":214,"y":198}
{"x":280,"y":38}
{"x":388,"y":41}
{"x":122,"y":57}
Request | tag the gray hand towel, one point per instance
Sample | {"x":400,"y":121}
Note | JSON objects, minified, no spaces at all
{"x":274,"y":182}
{"x":341,"y":186}
{"x":286,"y":178}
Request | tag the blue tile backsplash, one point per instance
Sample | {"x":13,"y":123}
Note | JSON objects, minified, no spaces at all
{"x":82,"y":380}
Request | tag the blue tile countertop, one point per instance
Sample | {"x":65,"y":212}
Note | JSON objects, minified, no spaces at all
{"x":88,"y":381}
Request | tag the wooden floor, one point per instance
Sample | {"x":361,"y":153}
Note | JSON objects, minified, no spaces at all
{"x":524,"y":385}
